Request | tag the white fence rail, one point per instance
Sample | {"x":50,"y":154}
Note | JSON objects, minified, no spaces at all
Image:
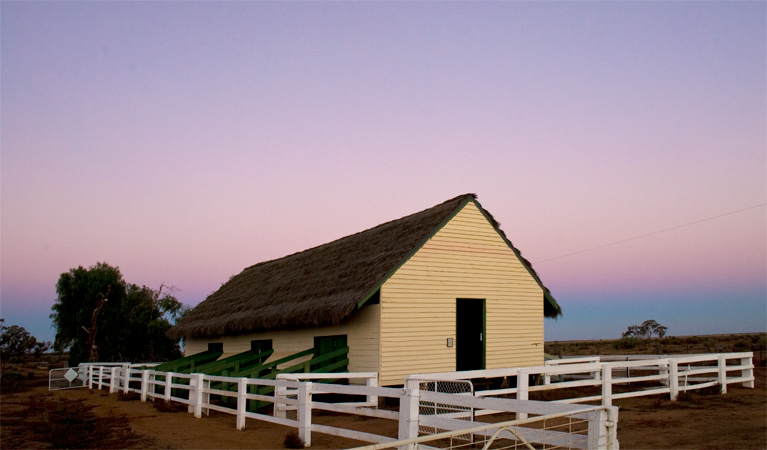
{"x":633,"y":376}
{"x":369,"y":379}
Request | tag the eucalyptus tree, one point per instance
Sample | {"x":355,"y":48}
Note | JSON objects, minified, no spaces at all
{"x":98,"y":315}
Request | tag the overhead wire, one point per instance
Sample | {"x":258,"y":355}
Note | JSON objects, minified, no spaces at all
{"x":652,"y":233}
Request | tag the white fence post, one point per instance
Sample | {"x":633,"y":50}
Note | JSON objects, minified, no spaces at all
{"x":749,"y":371}
{"x":722,"y":366}
{"x":612,"y":428}
{"x":673,"y":379}
{"x":205,"y":396}
{"x":196,"y":394}
{"x":663,"y":369}
{"x":89,"y":371}
{"x":372,"y":400}
{"x":126,"y":371}
{"x":523,"y":383}
{"x":242,"y":389}
{"x":602,"y":430}
{"x":279,"y":409}
{"x":607,"y":384}
{"x":409,"y":405}
{"x":101,"y":377}
{"x":168,"y":381}
{"x":305,"y":413}
{"x":114,"y":380}
{"x":144,"y":384}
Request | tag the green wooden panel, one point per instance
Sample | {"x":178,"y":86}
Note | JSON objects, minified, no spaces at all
{"x":235,"y":363}
{"x":188,"y":363}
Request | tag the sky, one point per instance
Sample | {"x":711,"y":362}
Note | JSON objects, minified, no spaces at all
{"x":621,"y":145}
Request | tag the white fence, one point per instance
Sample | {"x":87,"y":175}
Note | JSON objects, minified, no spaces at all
{"x":195,"y":391}
{"x":423,"y":403}
{"x":634,"y":376}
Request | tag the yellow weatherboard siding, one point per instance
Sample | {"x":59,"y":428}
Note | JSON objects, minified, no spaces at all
{"x":361,"y":332}
{"x":467,"y":258}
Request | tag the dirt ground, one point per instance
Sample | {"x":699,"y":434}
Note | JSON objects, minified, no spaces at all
{"x":32,"y":417}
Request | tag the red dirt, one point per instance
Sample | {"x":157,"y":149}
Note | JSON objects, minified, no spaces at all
{"x":737,"y":420}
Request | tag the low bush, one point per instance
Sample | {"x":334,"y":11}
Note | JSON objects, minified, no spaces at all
{"x":711,"y":390}
{"x":292,"y":440}
{"x":163,"y":406}
{"x":687,"y":397}
{"x":627,"y":342}
{"x":12,"y":376}
{"x":126,"y":397}
{"x":741,"y":346}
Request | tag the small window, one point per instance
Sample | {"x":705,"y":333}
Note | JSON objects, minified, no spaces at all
{"x":327,"y":344}
{"x":216,"y":347}
{"x":261,"y":345}
{"x":324,"y":346}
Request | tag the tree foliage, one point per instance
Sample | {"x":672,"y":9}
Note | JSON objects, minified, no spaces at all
{"x":636,"y":333}
{"x":130,"y":326}
{"x":17,"y":343}
{"x":646,"y":330}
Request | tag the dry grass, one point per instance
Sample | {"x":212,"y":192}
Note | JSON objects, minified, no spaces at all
{"x":671,"y":345}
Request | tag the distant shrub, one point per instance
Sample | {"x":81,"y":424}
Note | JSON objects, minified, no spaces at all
{"x":12,"y":376}
{"x":692,"y":340}
{"x":741,"y":346}
{"x":761,"y":343}
{"x":710,"y":344}
{"x":627,"y":342}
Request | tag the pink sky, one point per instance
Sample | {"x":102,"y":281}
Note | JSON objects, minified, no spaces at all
{"x":184,"y":142}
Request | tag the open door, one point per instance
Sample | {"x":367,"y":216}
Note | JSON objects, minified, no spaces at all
{"x":470,"y":334}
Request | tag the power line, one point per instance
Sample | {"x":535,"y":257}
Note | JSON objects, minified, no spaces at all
{"x":652,"y":234}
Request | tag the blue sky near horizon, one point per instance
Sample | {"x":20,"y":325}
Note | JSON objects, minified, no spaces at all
{"x":185,"y":141}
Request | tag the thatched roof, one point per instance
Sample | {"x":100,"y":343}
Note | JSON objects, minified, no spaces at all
{"x":324,"y":285}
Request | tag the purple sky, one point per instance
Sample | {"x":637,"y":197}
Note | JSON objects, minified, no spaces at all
{"x":184,"y":141}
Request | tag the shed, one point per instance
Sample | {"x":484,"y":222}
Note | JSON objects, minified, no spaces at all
{"x":439,"y":290}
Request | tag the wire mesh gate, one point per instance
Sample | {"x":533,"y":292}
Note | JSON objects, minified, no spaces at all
{"x":427,"y":408}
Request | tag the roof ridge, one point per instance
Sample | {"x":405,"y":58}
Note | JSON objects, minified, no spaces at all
{"x":377,"y":227}
{"x":318,"y":286}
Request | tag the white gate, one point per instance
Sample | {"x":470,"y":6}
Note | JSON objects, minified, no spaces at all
{"x":66,"y":378}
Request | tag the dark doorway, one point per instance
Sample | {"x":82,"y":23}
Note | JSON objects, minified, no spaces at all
{"x":470,"y":334}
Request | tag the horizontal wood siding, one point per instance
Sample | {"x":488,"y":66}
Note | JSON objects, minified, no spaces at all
{"x":362,"y":339}
{"x":467,"y":258}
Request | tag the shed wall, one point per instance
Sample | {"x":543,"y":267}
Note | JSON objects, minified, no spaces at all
{"x":467,"y":258}
{"x":361,"y":331}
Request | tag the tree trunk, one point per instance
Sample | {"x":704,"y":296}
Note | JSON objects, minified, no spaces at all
{"x":93,"y":351}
